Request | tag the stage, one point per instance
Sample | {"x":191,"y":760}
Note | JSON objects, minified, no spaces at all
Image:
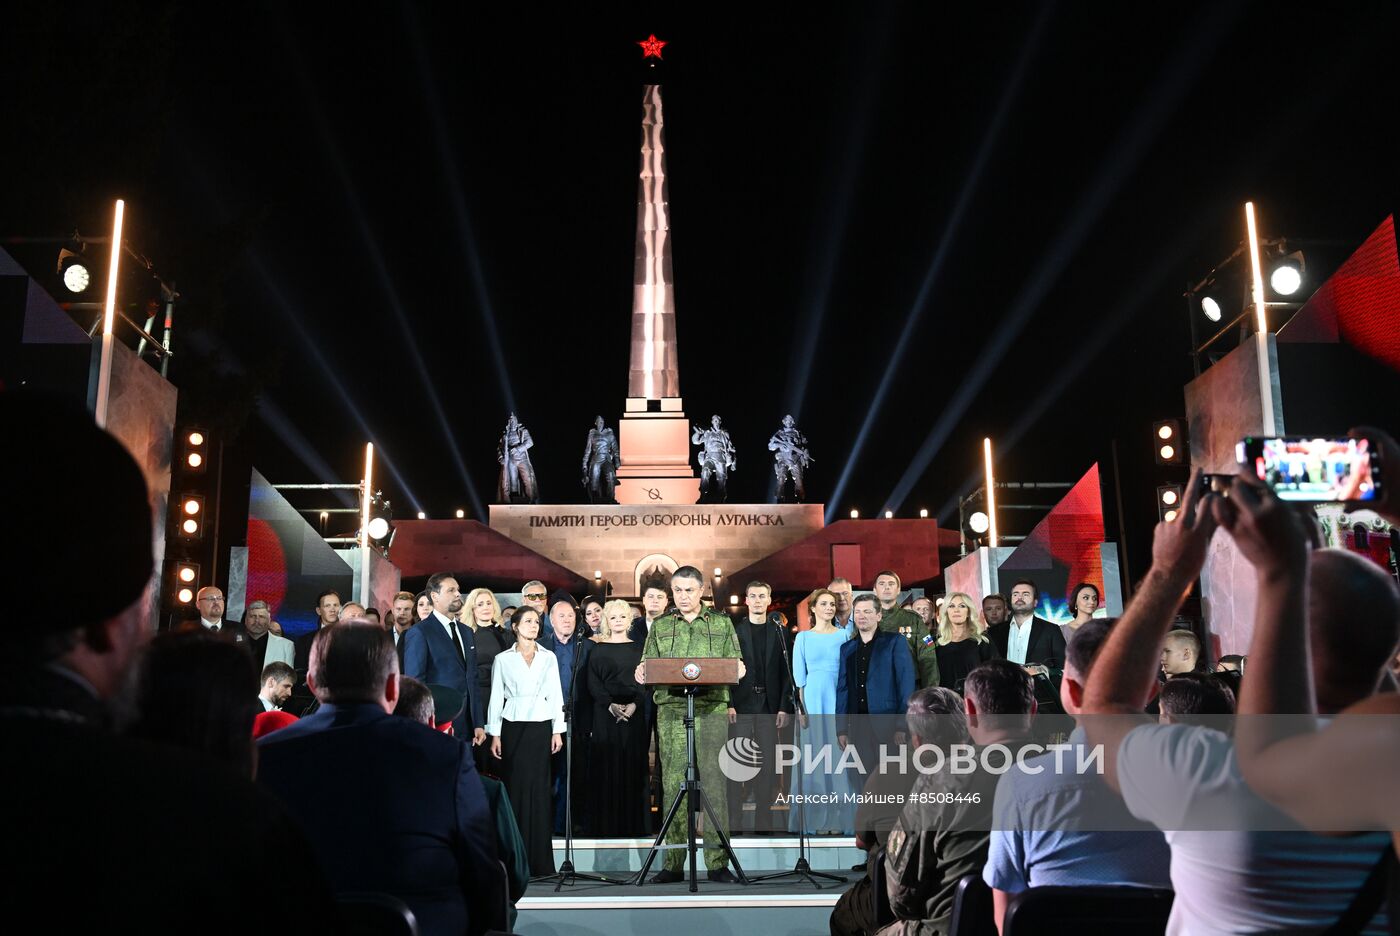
{"x":789,"y":906}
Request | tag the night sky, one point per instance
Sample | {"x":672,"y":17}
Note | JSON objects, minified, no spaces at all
{"x":375,"y":212}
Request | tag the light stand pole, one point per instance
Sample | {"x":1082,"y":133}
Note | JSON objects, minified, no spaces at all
{"x":802,"y":869}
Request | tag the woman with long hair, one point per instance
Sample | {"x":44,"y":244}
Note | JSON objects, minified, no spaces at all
{"x":198,"y":692}
{"x":816,"y":661}
{"x":591,"y":610}
{"x":617,"y":768}
{"x":526,"y":723}
{"x":1083,"y":602}
{"x":423,"y":605}
{"x":482,"y":613}
{"x":962,"y":643}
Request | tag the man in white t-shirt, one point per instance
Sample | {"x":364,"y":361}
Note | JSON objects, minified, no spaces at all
{"x":1238,"y":865}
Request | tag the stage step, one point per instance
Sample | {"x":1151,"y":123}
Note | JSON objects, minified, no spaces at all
{"x":790,"y":907}
{"x":757,"y":854}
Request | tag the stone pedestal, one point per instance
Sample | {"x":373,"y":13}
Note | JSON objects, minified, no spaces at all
{"x":653,"y":441}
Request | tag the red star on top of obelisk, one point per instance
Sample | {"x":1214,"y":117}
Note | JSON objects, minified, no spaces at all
{"x":651,"y":46}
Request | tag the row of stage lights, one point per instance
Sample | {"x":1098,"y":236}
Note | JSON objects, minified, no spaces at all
{"x":1169,"y":450}
{"x":889,"y":514}
{"x":1285,"y":279}
{"x":190,"y":515}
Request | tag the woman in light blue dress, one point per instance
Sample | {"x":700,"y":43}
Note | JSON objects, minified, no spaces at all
{"x":816,"y":658}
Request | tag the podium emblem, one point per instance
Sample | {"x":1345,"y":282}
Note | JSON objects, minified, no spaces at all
{"x":691,"y":671}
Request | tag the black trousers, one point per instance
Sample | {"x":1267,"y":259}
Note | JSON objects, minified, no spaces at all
{"x":763,"y":731}
{"x":525,"y":772}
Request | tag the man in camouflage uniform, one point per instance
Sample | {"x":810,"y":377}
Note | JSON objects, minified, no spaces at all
{"x":934,"y":845}
{"x":692,"y":631}
{"x":899,"y":620}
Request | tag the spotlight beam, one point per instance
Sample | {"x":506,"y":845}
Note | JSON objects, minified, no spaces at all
{"x":386,"y":285}
{"x":940,"y":255}
{"x":822,"y":271}
{"x":289,"y":312}
{"x":1204,"y":37}
{"x":433,"y":105}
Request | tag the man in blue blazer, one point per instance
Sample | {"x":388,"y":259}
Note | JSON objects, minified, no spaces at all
{"x":441,"y":651}
{"x":876,"y":678}
{"x":431,"y":843}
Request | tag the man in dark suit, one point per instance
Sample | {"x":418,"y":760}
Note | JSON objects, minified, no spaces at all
{"x":441,"y":651}
{"x":402,"y":620}
{"x":1033,"y":643}
{"x":876,"y":678}
{"x":432,"y":843}
{"x":655,"y":600}
{"x":760,"y":705}
{"x":570,"y":649}
{"x":327,"y":613}
{"x":89,"y":816}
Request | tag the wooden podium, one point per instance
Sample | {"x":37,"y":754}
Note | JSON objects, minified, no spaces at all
{"x":679,"y":672}
{"x":686,"y":676}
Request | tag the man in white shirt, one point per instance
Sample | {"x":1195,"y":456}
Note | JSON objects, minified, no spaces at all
{"x":210,"y":602}
{"x":1035,"y":644}
{"x":278,"y":680}
{"x":1238,"y":865}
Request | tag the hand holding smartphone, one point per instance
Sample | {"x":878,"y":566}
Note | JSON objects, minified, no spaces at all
{"x":1315,"y":470}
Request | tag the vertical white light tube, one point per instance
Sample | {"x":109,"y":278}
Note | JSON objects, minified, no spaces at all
{"x":1261,"y":331}
{"x":991,"y":494}
{"x":109,"y":316}
{"x":365,"y":495}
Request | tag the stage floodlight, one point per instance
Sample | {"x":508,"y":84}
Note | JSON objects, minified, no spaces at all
{"x":422,"y":515}
{"x":1169,"y":501}
{"x":190,"y":527}
{"x":186,"y":581}
{"x":733,"y":599}
{"x":1168,"y":443}
{"x":855,"y":514}
{"x":193,"y":506}
{"x":378,"y":528}
{"x":597,"y":575}
{"x":77,"y":278}
{"x":923,"y":513}
{"x":1210,"y":308}
{"x":979,"y":522}
{"x":1285,"y":279}
{"x":185,"y":595}
{"x":461,"y":514}
{"x":186,"y":575}
{"x":718,"y":572}
{"x":196,"y":450}
{"x":191,"y":513}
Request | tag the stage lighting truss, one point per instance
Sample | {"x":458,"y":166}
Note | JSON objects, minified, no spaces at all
{"x":1169,"y":501}
{"x":1168,"y":442}
{"x":381,"y":520}
{"x":185,"y":582}
{"x":1223,"y":296}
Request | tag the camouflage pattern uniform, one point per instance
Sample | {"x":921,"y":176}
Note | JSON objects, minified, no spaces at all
{"x":906,"y":622}
{"x":711,"y":634}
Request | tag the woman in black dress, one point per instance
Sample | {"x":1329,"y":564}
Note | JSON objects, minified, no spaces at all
{"x":483,"y":616}
{"x":962,"y":641}
{"x":618,"y":747}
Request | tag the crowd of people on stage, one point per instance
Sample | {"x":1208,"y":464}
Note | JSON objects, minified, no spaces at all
{"x":220,"y":777}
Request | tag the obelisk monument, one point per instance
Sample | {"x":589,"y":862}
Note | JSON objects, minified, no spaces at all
{"x":654,"y":434}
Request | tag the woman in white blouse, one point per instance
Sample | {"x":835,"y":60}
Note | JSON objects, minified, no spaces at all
{"x":525,"y":720}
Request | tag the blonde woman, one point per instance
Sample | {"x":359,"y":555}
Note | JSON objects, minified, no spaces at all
{"x":962,"y":641}
{"x":816,"y":660}
{"x":482,"y":613}
{"x":618,"y":747}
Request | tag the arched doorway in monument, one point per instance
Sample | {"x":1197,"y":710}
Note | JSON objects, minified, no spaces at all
{"x":657,"y":565}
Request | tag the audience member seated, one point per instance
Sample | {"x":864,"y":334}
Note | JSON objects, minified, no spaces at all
{"x":1265,"y":874}
{"x":194,"y":692}
{"x":418,"y":703}
{"x":937,"y":711}
{"x":389,"y":807}
{"x":1196,"y":699}
{"x":1065,"y":828}
{"x":111,"y":834}
{"x":942,"y":833}
{"x":278,"y":681}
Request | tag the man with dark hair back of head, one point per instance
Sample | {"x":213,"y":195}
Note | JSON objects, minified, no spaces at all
{"x":278,"y":681}
{"x":1060,"y":828}
{"x":89,"y":811}
{"x":941,"y":835}
{"x":1196,"y":699}
{"x":432,"y":844}
{"x":372,"y":615}
{"x":1268,"y":875}
{"x":416,"y":702}
{"x":441,"y":651}
{"x":692,"y":631}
